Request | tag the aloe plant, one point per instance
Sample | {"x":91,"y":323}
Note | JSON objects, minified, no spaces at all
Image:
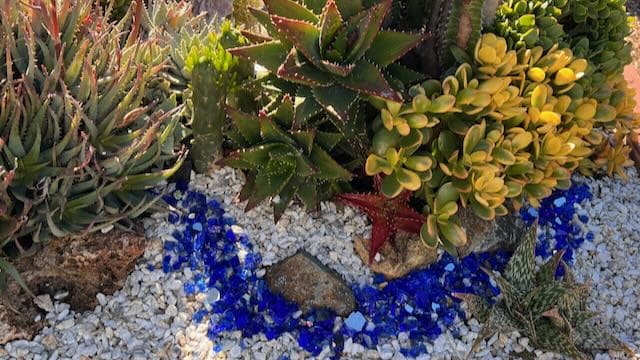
{"x":283,"y":162}
{"x":81,"y":143}
{"x":336,"y":48}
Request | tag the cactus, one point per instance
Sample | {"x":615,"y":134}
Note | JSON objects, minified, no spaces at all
{"x":213,"y":76}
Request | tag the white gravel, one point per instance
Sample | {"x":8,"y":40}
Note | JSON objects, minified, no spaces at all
{"x":150,"y":318}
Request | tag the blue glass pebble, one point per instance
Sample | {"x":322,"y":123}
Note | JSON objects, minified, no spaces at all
{"x":355,"y":321}
{"x":559,"y":202}
{"x":450,"y":267}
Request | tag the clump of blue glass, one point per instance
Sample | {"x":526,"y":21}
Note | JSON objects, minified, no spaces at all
{"x":225,"y":264}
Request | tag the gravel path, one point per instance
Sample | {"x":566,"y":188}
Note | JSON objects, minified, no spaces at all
{"x":151,"y":316}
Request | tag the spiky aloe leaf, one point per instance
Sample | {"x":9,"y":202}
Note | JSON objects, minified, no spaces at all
{"x":269,"y":54}
{"x":547,"y":273}
{"x":389,"y":46}
{"x":290,"y":9}
{"x":302,"y":72}
{"x":303,"y":35}
{"x":368,"y":27}
{"x":336,"y":100}
{"x":368,"y":79}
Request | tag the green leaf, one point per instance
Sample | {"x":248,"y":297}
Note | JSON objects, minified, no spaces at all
{"x":349,"y":8}
{"x":7,"y":268}
{"x":290,"y":9}
{"x":391,"y":187}
{"x":265,"y":20}
{"x":251,"y":158}
{"x":366,"y":78}
{"x":249,"y":185}
{"x":328,"y":168}
{"x":336,"y":100}
{"x":285,"y":198}
{"x":453,"y":233}
{"x":520,"y":270}
{"x":271,"y":132}
{"x":304,"y":139}
{"x":308,"y":194}
{"x":389,"y":46}
{"x":331,"y":23}
{"x":248,"y":125}
{"x":303,"y":35}
{"x":429,"y":232}
{"x":269,"y":54}
{"x":271,"y":180}
{"x":367,"y":28}
{"x":406,"y":75}
{"x":306,"y":106}
{"x":327,"y":140}
{"x":302,"y":72}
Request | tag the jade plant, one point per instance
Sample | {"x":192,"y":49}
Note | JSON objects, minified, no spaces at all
{"x":81,"y":145}
{"x":551,"y":312}
{"x":335,"y":49}
{"x":505,"y":128}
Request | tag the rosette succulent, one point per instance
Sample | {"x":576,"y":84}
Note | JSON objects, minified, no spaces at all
{"x":81,"y":143}
{"x":336,"y":48}
{"x":552,"y":313}
{"x":283,"y":162}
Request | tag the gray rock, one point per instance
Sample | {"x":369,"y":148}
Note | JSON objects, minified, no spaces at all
{"x":303,"y":279}
{"x":398,"y":257}
{"x":504,"y":232}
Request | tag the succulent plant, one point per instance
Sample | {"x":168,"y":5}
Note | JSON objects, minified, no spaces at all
{"x":507,"y":127}
{"x":213,"y":73}
{"x":334,"y":48}
{"x":552,"y":313}
{"x":530,"y":24}
{"x":283,"y":161}
{"x":118,"y":7}
{"x":460,"y":26}
{"x":81,"y":145}
{"x":388,"y":215}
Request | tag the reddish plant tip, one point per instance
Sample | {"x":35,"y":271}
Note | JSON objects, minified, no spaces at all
{"x":387,"y":216}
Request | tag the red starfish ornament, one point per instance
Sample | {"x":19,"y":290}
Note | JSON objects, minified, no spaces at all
{"x":387,"y":215}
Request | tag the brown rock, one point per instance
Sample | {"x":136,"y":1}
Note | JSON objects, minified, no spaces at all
{"x":304,"y":280}
{"x":399,"y":257}
{"x":502,"y":233}
{"x":82,"y":266}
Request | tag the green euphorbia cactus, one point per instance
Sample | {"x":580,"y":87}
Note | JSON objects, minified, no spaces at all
{"x":336,"y":48}
{"x":283,"y":162}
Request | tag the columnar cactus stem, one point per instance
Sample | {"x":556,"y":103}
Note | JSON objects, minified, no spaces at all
{"x":208,"y":118}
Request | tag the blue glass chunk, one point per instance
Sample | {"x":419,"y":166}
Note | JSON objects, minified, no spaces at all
{"x":355,"y":321}
{"x":450,"y":267}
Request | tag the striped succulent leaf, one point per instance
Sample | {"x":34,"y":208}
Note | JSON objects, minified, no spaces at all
{"x":551,"y":312}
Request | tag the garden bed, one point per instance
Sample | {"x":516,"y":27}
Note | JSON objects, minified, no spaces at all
{"x":326,"y":179}
{"x":159,"y":314}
